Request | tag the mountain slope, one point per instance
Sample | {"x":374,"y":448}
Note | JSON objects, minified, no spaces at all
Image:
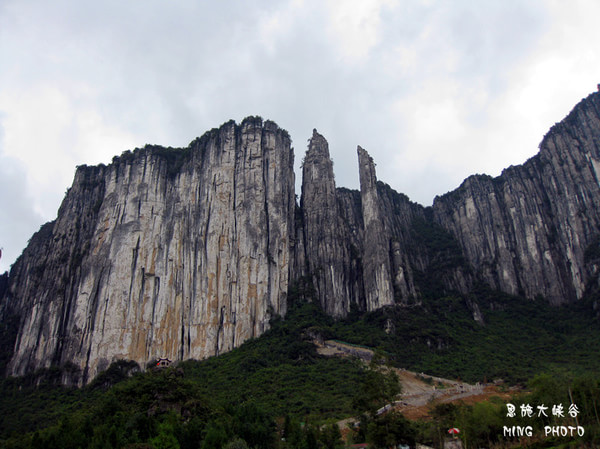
{"x":187,"y":253}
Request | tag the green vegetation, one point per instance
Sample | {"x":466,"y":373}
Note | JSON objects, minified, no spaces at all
{"x":277,"y":392}
{"x":519,"y":338}
{"x":482,"y":424}
{"x":442,"y":251}
{"x":233,"y":399}
{"x":174,"y":157}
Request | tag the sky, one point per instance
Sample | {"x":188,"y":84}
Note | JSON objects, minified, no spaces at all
{"x":434,"y":90}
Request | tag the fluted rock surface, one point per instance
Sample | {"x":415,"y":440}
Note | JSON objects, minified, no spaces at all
{"x":175,"y":253}
{"x":376,"y":261}
{"x":187,"y":253}
{"x":347,"y":237}
{"x":325,"y":235}
{"x":527,"y":230}
{"x":366,"y":248}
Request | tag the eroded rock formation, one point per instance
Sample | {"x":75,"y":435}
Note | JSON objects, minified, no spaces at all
{"x":527,"y":230}
{"x":178,"y":253}
{"x":325,"y":236}
{"x":186,"y":253}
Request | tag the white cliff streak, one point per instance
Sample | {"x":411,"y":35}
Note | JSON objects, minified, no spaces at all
{"x":185,"y":263}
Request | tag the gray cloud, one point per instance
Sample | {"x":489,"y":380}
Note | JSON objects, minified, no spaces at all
{"x":434,"y":90}
{"x":19,"y":220}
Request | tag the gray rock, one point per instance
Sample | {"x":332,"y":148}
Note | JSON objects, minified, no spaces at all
{"x":377,"y":273}
{"x":526,"y":231}
{"x":187,"y":253}
{"x":173,"y":253}
{"x":325,"y":236}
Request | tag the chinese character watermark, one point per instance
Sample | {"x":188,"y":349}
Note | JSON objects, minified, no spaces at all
{"x":558,"y":410}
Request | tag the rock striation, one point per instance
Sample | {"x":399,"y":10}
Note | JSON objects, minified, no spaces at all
{"x":325,"y":236}
{"x":187,"y":253}
{"x":376,"y":247}
{"x":526,"y":232}
{"x":349,"y":247}
{"x":178,"y":253}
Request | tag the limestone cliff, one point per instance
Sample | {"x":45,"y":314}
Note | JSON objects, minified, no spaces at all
{"x":369,"y":248}
{"x":176,"y":253}
{"x":186,"y":253}
{"x":376,"y":247}
{"x":527,"y":230}
{"x":327,"y":257}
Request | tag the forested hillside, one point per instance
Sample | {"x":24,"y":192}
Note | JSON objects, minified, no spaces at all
{"x":276,"y":391}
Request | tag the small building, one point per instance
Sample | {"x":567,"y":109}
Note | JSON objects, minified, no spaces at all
{"x":163,"y":362}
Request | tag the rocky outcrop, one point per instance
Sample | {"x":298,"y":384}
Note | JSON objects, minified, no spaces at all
{"x":425,"y":259}
{"x":526,"y":231}
{"x":370,"y":249}
{"x":354,"y":243}
{"x":325,"y":236}
{"x":376,"y":261}
{"x":187,"y":253}
{"x":177,"y":253}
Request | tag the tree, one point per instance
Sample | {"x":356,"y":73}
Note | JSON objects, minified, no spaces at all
{"x":331,"y":437}
{"x":483,"y":423}
{"x":216,"y":436}
{"x":377,"y":389}
{"x":238,"y":443}
{"x":390,"y":429}
{"x":165,"y":438}
{"x":255,"y":426}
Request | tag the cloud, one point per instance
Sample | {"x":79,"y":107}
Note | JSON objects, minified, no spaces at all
{"x":19,"y":219}
{"x":48,"y":134}
{"x":435,"y":91}
{"x":355,"y":26}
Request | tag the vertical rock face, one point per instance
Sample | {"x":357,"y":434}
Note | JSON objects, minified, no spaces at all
{"x":325,"y":236}
{"x":527,"y":230}
{"x":354,"y":252}
{"x":176,"y":253}
{"x":361,"y":248}
{"x":187,"y":253}
{"x":376,"y":249}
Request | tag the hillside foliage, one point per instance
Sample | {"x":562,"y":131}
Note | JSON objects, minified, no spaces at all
{"x":276,"y":391}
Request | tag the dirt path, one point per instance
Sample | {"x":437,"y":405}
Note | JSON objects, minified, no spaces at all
{"x":420,"y":392}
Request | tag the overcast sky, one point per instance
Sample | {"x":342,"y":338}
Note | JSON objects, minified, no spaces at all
{"x":434,"y":90}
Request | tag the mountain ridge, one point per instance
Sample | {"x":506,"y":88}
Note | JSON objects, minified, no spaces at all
{"x":189,"y":252}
